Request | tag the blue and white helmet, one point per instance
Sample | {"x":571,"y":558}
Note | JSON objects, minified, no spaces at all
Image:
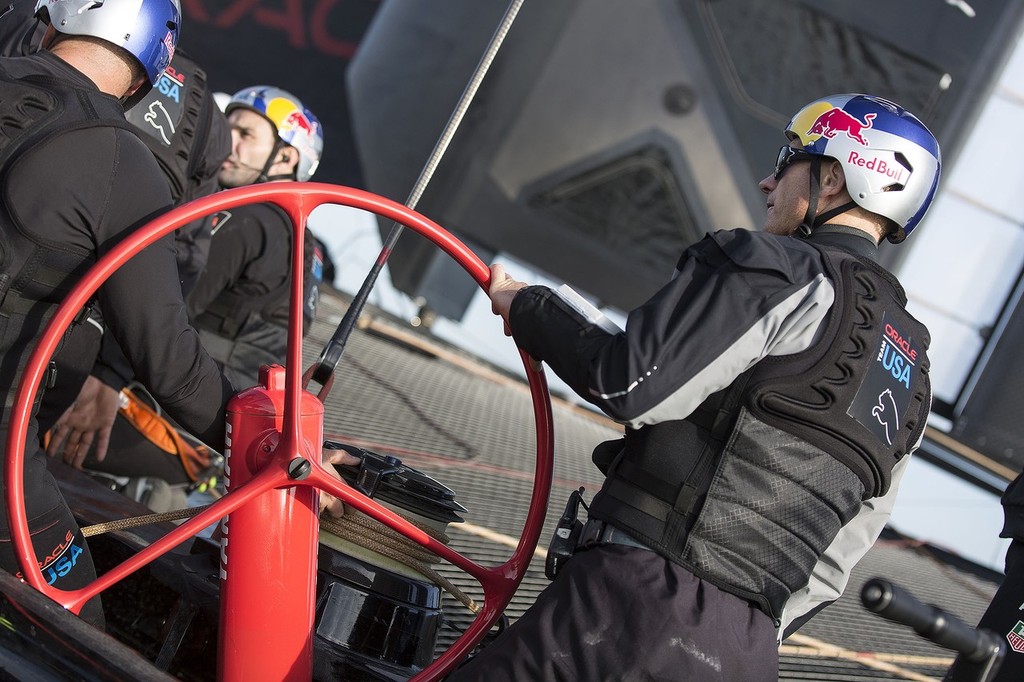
{"x":890,"y":158}
{"x":295,"y":124}
{"x":147,"y":29}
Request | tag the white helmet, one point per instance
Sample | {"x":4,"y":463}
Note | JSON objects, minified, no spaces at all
{"x":147,"y":29}
{"x":295,"y":124}
{"x":890,"y":158}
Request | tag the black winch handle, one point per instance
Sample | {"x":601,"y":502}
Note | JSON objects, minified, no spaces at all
{"x":893,"y":602}
{"x":323,"y":371}
{"x":372,"y":469}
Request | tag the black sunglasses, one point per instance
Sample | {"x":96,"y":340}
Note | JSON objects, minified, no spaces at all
{"x":787,"y":156}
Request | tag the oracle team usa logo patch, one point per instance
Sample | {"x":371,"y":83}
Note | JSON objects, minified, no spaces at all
{"x":161,"y":111}
{"x":884,"y":395}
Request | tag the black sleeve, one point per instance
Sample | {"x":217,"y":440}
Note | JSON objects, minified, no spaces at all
{"x":737,"y":296}
{"x":192,"y":241}
{"x":145,"y":313}
{"x":112,"y":366}
{"x":143,"y":306}
{"x":547,"y":328}
{"x":666,"y":340}
{"x":1013,"y":510}
{"x":192,"y":250}
{"x":102,"y":184}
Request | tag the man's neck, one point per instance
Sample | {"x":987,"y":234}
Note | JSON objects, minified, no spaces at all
{"x":98,"y":64}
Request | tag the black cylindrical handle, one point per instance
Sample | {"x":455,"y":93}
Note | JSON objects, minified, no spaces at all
{"x":893,"y":602}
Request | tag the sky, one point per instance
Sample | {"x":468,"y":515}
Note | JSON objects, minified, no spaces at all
{"x":931,"y":505}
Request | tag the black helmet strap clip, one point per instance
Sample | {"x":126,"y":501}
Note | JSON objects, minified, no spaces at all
{"x":808,"y":224}
{"x":812,"y":222}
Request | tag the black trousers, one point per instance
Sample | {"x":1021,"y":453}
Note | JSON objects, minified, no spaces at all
{"x":258,"y":343}
{"x":620,"y":613}
{"x":64,"y":557}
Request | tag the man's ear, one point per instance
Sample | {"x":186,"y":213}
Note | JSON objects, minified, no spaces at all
{"x":132,"y":89}
{"x":833,"y":178}
{"x":288,"y":155}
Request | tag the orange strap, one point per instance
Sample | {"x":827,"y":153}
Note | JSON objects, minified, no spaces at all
{"x":162,"y":433}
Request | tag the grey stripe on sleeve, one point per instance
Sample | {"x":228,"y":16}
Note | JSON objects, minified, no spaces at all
{"x":790,"y":327}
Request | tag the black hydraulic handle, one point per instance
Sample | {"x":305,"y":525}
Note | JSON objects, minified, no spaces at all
{"x":323,"y":371}
{"x":893,"y":602}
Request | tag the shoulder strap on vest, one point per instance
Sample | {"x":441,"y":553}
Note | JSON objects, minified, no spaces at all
{"x":175,"y":119}
{"x":23,"y":107}
{"x":34,"y":110}
{"x":39,"y":102}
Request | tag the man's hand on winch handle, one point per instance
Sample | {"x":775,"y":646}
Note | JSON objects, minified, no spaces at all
{"x":328,"y":502}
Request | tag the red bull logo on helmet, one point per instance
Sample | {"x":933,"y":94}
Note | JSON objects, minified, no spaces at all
{"x":299,"y":131}
{"x":884,"y":164}
{"x":288,"y":117}
{"x":169,"y":45}
{"x":835,"y":121}
{"x":297,"y":120}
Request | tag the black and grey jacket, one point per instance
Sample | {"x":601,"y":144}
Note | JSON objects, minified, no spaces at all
{"x":769,"y":392}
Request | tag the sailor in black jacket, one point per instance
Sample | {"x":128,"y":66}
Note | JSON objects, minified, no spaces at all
{"x":75,"y":179}
{"x":771,"y":394}
{"x":240,"y":303}
{"x":1005,"y":613}
{"x":188,"y":134}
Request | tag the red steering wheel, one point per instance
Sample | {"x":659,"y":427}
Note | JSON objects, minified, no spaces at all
{"x":298,"y":200}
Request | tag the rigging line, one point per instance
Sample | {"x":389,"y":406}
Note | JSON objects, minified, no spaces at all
{"x":323,"y":371}
{"x":463,"y":105}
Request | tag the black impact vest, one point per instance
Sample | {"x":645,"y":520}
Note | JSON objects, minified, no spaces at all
{"x":175,"y":118}
{"x":749,"y":490}
{"x":228,"y":314}
{"x":35,"y":275}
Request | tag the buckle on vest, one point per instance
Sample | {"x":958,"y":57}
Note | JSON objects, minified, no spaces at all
{"x":597,"y":533}
{"x":83,"y":314}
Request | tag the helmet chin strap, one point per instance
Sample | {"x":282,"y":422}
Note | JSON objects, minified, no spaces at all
{"x":811,"y":222}
{"x":264,"y":177}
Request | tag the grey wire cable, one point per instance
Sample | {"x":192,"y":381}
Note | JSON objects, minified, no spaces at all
{"x":441,"y":146}
{"x":323,"y":371}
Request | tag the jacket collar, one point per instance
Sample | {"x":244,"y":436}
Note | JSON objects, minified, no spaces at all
{"x":849,"y":239}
